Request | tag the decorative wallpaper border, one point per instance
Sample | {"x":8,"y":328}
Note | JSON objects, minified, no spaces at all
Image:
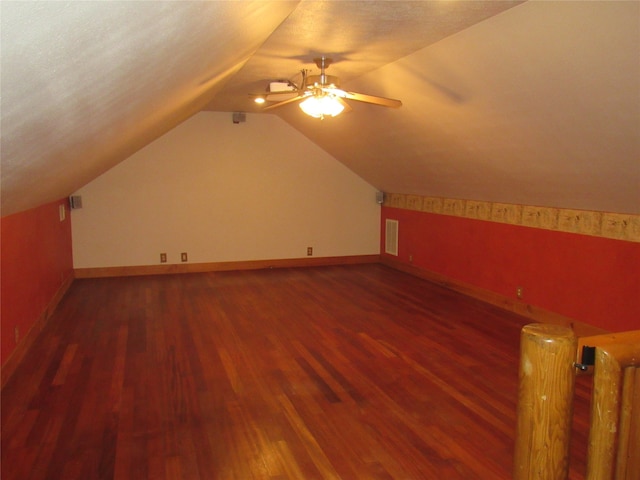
{"x":618,"y":226}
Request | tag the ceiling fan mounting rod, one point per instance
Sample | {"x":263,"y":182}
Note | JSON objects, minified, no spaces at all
{"x":322,"y":63}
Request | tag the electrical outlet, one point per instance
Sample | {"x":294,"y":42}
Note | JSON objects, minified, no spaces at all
{"x":519,"y":292}
{"x":183,"y":256}
{"x":163,"y":258}
{"x":309,"y":251}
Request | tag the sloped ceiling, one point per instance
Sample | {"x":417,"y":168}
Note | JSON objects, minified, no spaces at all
{"x":86,"y":84}
{"x":535,"y":103}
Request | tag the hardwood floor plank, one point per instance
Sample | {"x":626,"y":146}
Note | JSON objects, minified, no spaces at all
{"x":317,"y":454}
{"x":341,"y":372}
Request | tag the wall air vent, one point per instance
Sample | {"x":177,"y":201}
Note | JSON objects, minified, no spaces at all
{"x":391,"y":237}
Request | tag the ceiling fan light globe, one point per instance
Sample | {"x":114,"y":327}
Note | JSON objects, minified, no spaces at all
{"x":319,"y":107}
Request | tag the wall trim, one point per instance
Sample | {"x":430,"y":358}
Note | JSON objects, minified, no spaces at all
{"x":25,"y":344}
{"x":536,"y":314}
{"x":618,"y":226}
{"x":164,"y":269}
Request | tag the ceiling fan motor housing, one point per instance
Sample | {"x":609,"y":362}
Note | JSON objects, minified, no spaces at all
{"x":322,"y":81}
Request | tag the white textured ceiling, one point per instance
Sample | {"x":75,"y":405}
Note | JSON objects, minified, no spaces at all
{"x":535,"y":103}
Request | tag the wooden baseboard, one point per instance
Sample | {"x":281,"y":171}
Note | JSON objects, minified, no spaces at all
{"x":222,"y":266}
{"x":24,"y":345}
{"x":532,"y":312}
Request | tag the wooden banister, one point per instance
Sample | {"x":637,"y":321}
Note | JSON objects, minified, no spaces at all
{"x":548,"y":354}
{"x":614,"y":437}
{"x":545,"y":402}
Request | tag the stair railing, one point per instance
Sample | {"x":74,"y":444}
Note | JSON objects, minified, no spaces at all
{"x":548,"y":365}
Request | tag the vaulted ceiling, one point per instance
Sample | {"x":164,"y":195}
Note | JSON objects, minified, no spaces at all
{"x":535,"y":103}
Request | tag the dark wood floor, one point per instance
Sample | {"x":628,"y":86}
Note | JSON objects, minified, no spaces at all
{"x":352,"y":372}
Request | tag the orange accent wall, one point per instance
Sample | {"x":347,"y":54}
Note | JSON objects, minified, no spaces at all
{"x":591,"y":279}
{"x":36,"y":261}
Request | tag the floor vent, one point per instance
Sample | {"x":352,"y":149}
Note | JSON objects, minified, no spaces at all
{"x":391,"y":237}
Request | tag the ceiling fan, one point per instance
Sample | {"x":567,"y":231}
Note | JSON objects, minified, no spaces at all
{"x":319,"y":95}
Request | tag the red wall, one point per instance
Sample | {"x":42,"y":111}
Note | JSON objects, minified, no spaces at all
{"x":36,"y":261}
{"x":589,"y":279}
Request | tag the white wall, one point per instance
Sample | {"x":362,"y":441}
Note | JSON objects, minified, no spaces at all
{"x":225,"y":192}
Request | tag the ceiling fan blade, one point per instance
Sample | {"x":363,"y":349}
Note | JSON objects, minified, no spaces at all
{"x":269,"y":94}
{"x":347,"y":107}
{"x":276,"y":96}
{"x":383,"y":101}
{"x":284,"y":102}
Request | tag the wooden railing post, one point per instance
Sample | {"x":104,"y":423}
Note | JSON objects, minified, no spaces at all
{"x":545,"y":400}
{"x":614,"y":437}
